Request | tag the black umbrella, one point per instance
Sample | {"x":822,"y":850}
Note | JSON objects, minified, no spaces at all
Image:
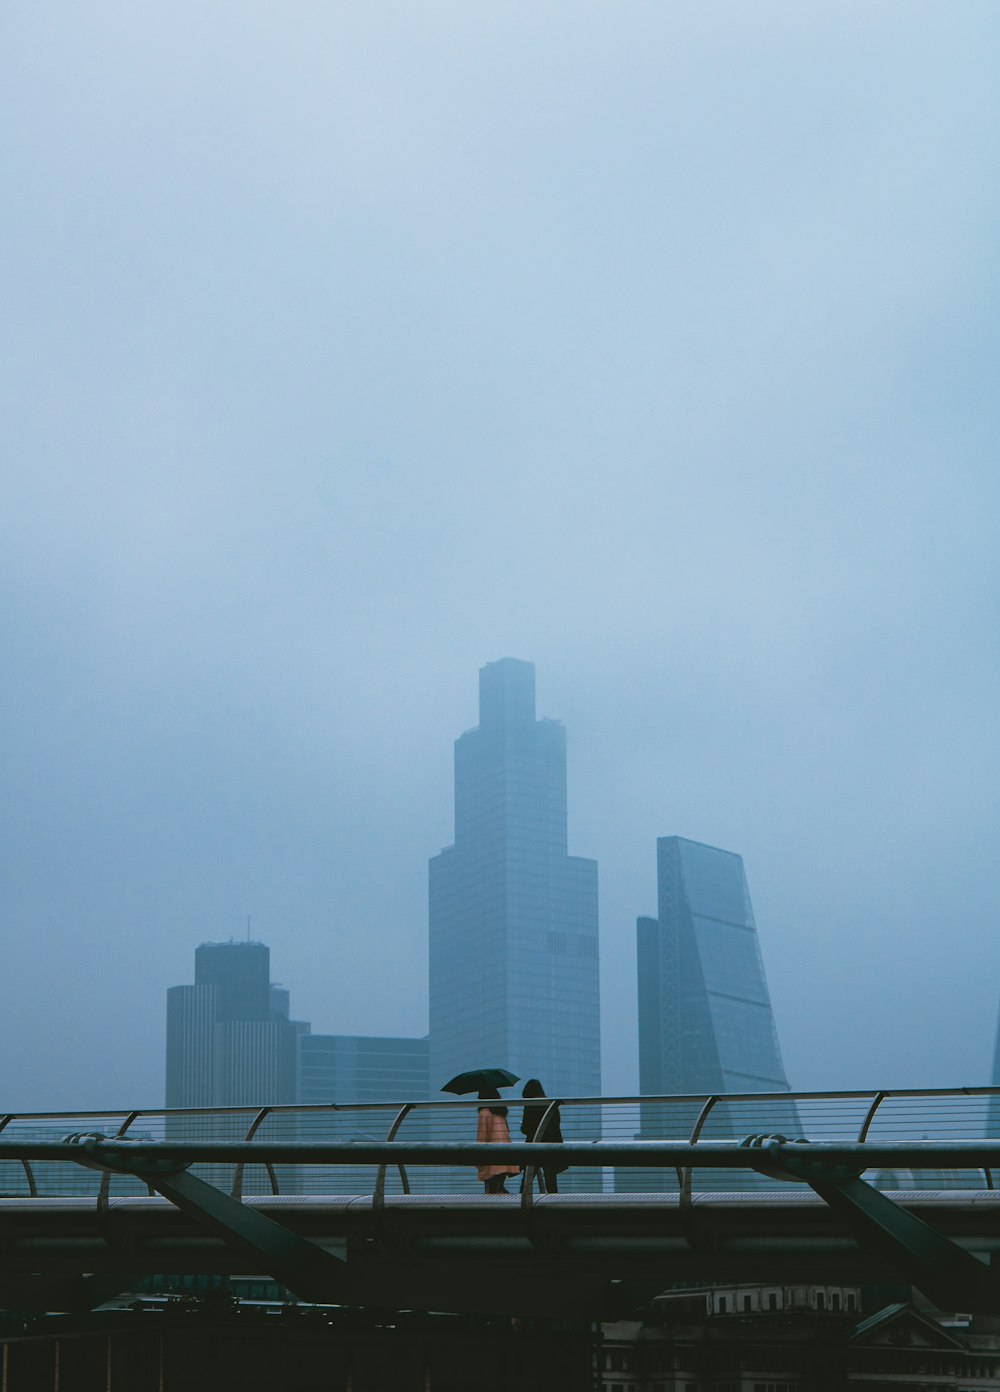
{"x":477,"y":1078}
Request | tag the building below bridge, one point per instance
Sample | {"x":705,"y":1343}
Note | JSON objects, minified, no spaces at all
{"x":218,"y":1344}
{"x":799,"y":1338}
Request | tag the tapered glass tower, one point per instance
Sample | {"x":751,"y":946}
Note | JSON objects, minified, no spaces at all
{"x":706,"y":1028}
{"x":513,"y":917}
{"x":705,"y":1019}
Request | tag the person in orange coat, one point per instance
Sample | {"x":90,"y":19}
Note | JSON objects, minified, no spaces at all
{"x":493,"y":1127}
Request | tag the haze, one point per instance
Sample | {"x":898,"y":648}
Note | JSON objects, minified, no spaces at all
{"x":348,"y":347}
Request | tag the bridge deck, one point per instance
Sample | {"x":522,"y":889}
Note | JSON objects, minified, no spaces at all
{"x":725,"y":1234}
{"x":318,"y":1197}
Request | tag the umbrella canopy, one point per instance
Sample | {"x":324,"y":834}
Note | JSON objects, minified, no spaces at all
{"x":477,"y":1078}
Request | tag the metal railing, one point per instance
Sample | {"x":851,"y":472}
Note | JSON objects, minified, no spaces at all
{"x":351,"y":1189}
{"x":942,"y":1132}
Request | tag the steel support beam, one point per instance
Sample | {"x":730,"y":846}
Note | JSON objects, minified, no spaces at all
{"x":948,"y":1275}
{"x":307,"y":1270}
{"x":951,"y":1277}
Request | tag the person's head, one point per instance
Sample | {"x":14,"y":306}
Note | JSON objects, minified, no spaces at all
{"x":532,"y":1088}
{"x":490,"y":1094}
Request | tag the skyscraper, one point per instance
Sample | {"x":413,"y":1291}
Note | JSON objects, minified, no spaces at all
{"x":229,"y":1039}
{"x":513,"y":917}
{"x":240,"y":972}
{"x":705,"y":1022}
{"x":345,"y":1068}
{"x":705,"y":1019}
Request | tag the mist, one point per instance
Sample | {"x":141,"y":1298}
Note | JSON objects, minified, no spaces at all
{"x":347,"y":348}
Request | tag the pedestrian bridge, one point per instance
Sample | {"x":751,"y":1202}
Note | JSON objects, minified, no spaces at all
{"x":379,"y":1205}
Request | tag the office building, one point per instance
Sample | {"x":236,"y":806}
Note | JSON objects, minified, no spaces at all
{"x":706,"y":1028}
{"x":192,"y":1014}
{"x":240,"y":972}
{"x":513,"y":916}
{"x":227,"y":1044}
{"x":346,"y":1068}
{"x":221,"y":1339}
{"x":705,"y":1019}
{"x":798,"y":1338}
{"x":340,"y":1071}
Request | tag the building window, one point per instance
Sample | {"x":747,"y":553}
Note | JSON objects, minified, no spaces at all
{"x":849,"y":1301}
{"x":820,"y":1300}
{"x":747,"y":1302}
{"x":772,"y":1301}
{"x":835,"y":1300}
{"x":723,"y":1305}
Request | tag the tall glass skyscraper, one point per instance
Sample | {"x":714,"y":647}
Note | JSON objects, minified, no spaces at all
{"x":705,"y":1018}
{"x":705,"y":1021}
{"x":705,"y":1015}
{"x":513,"y":917}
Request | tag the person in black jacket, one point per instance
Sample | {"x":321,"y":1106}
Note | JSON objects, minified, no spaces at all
{"x":532,"y":1115}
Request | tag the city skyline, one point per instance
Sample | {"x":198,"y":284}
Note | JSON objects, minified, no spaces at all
{"x":191,"y":1005}
{"x":514,"y":957}
{"x":506,"y":906}
{"x":350,"y":349}
{"x":486,"y":487}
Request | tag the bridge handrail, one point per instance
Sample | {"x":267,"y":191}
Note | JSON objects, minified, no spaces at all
{"x":866,"y":1117}
{"x":636,"y":1099}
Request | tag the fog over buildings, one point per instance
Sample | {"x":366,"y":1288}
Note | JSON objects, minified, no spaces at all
{"x":348,"y":349}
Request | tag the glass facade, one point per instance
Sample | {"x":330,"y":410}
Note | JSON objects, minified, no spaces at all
{"x":229,"y":1039}
{"x":240,"y":972}
{"x":513,"y":917}
{"x":705,"y":1019}
{"x":346,"y":1068}
{"x":706,"y":1028}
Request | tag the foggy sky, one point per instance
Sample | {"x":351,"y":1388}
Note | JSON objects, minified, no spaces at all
{"x":350,"y":346}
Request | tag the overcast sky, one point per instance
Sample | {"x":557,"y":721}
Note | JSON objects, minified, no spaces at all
{"x":349,"y":346}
